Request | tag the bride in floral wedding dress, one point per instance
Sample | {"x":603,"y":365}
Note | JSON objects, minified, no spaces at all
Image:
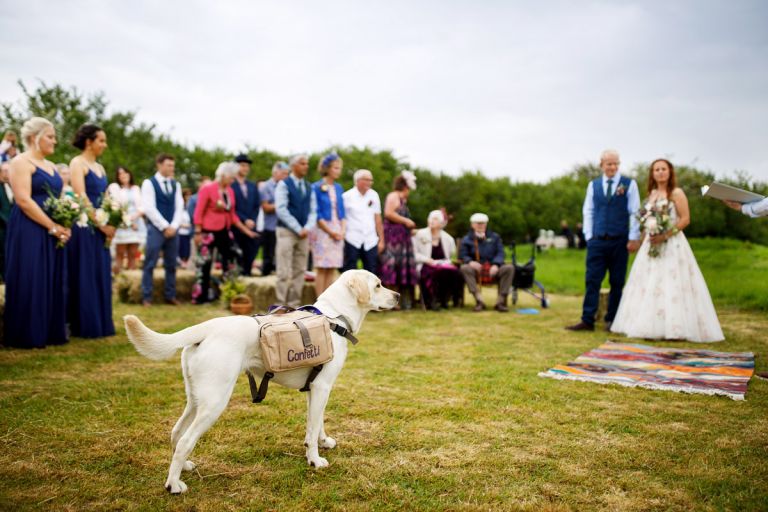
{"x":666,"y":296}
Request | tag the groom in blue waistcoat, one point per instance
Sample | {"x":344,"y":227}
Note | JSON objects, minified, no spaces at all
{"x":163,"y":207}
{"x":612,"y":230}
{"x":247,"y":206}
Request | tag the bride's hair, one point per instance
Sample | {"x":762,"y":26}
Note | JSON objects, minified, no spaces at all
{"x":671,"y":184}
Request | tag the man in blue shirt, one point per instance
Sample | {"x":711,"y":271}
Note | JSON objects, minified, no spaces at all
{"x":612,"y":230}
{"x":247,"y":205}
{"x":296,"y":209}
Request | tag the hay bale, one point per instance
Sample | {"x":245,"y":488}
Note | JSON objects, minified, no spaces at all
{"x":261,"y":290}
{"x":128,"y":285}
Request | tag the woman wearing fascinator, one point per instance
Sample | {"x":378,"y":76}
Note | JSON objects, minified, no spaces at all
{"x":666,"y":296}
{"x":326,"y":240}
{"x":398,"y":264}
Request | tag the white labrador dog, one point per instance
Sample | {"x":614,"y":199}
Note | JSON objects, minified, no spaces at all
{"x":216,"y":352}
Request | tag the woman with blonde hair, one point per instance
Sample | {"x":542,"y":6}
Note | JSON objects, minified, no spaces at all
{"x":35,"y":305}
{"x":326,"y":240}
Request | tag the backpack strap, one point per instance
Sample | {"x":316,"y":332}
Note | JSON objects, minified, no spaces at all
{"x":305,"y":339}
{"x":311,"y":377}
{"x":343,"y":331}
{"x":259,"y":393}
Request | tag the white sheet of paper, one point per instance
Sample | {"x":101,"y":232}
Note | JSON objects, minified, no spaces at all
{"x":722,"y":191}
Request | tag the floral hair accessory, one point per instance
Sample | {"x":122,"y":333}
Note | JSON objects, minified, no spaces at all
{"x":329,"y":159}
{"x":410,"y":179}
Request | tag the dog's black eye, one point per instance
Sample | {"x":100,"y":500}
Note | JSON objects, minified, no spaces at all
{"x":378,"y":285}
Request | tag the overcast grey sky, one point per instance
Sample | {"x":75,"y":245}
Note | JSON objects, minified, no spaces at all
{"x":525,"y":89}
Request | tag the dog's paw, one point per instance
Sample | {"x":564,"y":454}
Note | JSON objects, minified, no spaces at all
{"x":318,"y":462}
{"x":176,"y":487}
{"x":328,"y":442}
{"x":188,"y":466}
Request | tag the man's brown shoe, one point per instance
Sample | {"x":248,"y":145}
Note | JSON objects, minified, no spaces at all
{"x":173,"y":302}
{"x":581,"y":326}
{"x":479,"y":306}
{"x":762,"y":375}
{"x":146,"y":303}
{"x":501,"y":308}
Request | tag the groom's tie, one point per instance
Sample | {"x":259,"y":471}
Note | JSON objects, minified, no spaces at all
{"x":610,"y":186}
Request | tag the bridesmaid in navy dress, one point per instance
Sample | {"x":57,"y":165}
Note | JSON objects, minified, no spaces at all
{"x":35,"y":305}
{"x":88,"y":259}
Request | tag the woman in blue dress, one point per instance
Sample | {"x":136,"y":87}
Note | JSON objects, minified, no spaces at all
{"x":35,"y":305}
{"x":88,"y":260}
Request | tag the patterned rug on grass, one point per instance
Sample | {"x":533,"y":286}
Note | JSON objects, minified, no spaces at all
{"x":687,"y":371}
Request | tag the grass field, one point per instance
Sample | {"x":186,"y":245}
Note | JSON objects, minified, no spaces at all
{"x":433,"y":411}
{"x":736,"y":272}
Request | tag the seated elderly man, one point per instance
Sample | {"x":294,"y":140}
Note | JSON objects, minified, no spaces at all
{"x":482,"y":253}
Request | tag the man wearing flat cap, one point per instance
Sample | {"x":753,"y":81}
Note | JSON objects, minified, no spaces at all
{"x":482,"y":256}
{"x":247,"y":205}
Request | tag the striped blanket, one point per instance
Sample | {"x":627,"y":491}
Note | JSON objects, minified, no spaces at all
{"x":689,"y":371}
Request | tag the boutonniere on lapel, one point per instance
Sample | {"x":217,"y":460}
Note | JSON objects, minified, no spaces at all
{"x":324,"y":187}
{"x":620,"y":190}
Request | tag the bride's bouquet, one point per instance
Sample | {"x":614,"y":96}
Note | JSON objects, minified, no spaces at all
{"x":655,"y":220}
{"x":111,"y":213}
{"x":66,"y":211}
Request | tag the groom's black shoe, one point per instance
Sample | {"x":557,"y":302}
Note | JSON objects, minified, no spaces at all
{"x":608,"y":326}
{"x":581,"y":326}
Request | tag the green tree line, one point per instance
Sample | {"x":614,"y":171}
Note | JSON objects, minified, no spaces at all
{"x":517,"y":209}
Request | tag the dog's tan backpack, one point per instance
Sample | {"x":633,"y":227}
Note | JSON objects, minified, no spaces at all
{"x":295,"y":340}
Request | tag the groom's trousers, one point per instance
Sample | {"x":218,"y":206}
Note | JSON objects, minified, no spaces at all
{"x":602,"y":256}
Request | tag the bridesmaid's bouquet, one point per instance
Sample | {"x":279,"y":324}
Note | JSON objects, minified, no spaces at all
{"x":111,"y":213}
{"x":66,"y":211}
{"x":655,"y":220}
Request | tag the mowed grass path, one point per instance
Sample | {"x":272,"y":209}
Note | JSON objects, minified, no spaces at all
{"x":736,"y":272}
{"x":433,"y":411}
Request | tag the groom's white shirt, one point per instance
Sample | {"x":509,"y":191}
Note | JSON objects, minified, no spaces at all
{"x":756,"y":209}
{"x":633,"y":205}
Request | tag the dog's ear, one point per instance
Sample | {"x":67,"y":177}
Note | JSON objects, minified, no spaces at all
{"x":359,"y":287}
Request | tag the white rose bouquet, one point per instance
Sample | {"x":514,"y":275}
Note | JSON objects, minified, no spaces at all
{"x":66,"y":211}
{"x":655,"y":220}
{"x":111,"y":213}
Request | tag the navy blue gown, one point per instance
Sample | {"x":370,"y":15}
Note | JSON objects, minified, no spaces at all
{"x":89,"y":273}
{"x":35,"y":275}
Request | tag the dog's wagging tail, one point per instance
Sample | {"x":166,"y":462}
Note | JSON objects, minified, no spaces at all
{"x":157,"y":346}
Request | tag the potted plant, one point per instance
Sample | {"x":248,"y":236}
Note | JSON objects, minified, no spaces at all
{"x":232,"y":293}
